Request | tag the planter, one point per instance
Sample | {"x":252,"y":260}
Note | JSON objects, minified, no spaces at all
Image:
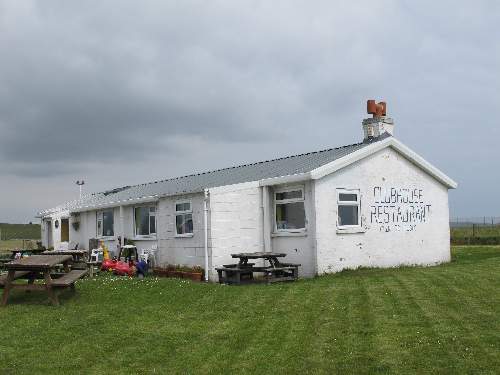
{"x":160,"y":272}
{"x":196,"y":276}
{"x":163,"y":272}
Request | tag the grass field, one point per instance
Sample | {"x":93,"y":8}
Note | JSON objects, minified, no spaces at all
{"x":20,"y":231}
{"x":443,"y":319}
{"x":478,"y":231}
{"x":11,"y":235}
{"x":7,"y":245}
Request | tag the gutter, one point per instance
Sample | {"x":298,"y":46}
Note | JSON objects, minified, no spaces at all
{"x":285,"y":179}
{"x":126,"y":202}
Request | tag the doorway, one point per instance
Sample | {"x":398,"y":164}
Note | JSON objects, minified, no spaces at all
{"x":48,"y":228}
{"x":64,"y":230}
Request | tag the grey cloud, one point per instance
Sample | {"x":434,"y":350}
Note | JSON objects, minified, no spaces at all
{"x":121,"y":92}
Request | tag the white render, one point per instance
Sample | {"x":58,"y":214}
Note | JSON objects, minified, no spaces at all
{"x":236,"y":223}
{"x":241,"y":217}
{"x":381,"y":244}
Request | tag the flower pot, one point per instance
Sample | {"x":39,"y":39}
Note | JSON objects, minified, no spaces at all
{"x":196,"y":276}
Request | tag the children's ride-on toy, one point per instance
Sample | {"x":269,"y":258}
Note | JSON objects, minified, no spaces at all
{"x":127,"y":264}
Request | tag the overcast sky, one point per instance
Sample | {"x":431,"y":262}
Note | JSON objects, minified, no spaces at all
{"x":125,"y":92}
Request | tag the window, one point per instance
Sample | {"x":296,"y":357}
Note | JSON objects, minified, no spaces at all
{"x":145,"y":220}
{"x":348,"y":208}
{"x":183,"y":218}
{"x":289,"y":209}
{"x":105,"y":224}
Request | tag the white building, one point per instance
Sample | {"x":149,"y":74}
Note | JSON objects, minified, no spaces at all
{"x":372,"y":204}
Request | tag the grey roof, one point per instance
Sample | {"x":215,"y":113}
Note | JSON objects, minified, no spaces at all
{"x":285,"y":166}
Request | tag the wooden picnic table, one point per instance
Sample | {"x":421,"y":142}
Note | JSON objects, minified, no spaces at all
{"x":79,"y":257}
{"x":32,"y":267}
{"x":244,"y":271}
{"x":76,"y":254}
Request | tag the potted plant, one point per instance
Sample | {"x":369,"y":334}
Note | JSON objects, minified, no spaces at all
{"x":196,"y":273}
{"x":170,"y":270}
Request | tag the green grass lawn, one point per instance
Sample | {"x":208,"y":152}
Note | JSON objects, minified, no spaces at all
{"x":442,"y":320}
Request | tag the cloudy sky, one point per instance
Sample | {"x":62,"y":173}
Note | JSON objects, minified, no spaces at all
{"x":124,"y":92}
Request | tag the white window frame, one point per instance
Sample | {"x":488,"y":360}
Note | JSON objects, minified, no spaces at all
{"x":99,"y":217}
{"x":356,"y":203}
{"x":179,"y":213}
{"x":285,"y":201}
{"x":151,"y":214}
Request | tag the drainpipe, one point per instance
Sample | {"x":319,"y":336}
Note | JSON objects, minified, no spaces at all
{"x":122,"y":228}
{"x":205,"y":212}
{"x":266,"y":227}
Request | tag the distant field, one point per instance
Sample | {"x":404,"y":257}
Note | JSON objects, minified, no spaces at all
{"x":476,"y":230}
{"x":475,"y":234}
{"x":19,"y":231}
{"x":7,"y":245}
{"x":12,"y":235}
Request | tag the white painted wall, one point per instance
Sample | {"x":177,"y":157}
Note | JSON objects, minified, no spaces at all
{"x":236,"y":223}
{"x":88,"y":229}
{"x":381,"y":245}
{"x":299,"y":247}
{"x":180,"y":250}
{"x":55,"y":233}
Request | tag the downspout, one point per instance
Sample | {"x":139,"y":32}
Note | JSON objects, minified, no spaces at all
{"x":205,"y":212}
{"x":122,"y":228}
{"x":266,"y":227}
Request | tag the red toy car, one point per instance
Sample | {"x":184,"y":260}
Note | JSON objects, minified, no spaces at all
{"x":125,"y":269}
{"x":108,"y":264}
{"x":126,"y":265}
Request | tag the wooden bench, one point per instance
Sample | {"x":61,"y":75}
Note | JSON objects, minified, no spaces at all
{"x":68,"y":279}
{"x":17,"y":275}
{"x":234,"y":275}
{"x":288,"y":272}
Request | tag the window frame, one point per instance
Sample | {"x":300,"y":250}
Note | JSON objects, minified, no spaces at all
{"x":356,"y":203}
{"x":150,"y":214}
{"x":286,"y":201}
{"x":180,"y":213}
{"x":100,"y":217}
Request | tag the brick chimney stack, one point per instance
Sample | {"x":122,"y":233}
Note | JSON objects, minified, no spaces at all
{"x":378,"y":124}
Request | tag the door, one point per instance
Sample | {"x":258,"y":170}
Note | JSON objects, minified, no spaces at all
{"x":64,"y":230}
{"x":48,"y":228}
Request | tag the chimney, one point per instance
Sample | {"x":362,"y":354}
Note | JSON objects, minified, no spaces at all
{"x":378,"y":124}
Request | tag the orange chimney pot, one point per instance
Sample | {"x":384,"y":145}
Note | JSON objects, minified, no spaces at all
{"x":376,"y":109}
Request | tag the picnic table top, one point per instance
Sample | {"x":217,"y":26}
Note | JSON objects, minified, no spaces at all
{"x":258,"y":255}
{"x":65,"y":252}
{"x":26,"y":250}
{"x":36,"y":262}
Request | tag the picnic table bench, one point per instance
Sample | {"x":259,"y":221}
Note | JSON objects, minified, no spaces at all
{"x":243,"y":271}
{"x":40,"y":266}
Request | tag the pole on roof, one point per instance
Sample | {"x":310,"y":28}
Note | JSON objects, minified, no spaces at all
{"x":80,"y":184}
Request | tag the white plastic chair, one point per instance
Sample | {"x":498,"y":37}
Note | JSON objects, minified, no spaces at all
{"x":97,"y":255}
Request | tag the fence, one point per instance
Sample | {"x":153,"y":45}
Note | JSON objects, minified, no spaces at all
{"x":483,"y":230}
